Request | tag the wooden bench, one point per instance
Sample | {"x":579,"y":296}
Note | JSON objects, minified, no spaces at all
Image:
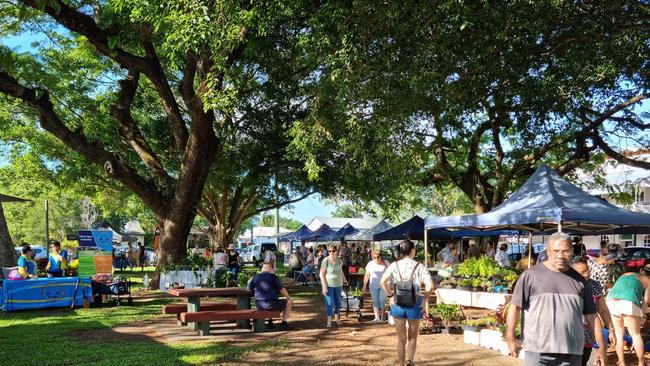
{"x":181,"y":308}
{"x":204,"y":318}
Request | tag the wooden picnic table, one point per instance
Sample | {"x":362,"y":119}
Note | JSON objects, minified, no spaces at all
{"x":194,"y":295}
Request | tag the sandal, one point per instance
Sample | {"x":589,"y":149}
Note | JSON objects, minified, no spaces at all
{"x":409,"y":363}
{"x":338,"y":322}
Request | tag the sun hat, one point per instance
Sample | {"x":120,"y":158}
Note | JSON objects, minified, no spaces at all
{"x":231,"y":246}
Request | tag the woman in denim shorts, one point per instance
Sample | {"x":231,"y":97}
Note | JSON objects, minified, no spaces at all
{"x":402,"y":270}
{"x":375,"y":269}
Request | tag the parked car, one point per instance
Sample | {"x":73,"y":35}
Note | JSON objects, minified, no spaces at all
{"x":635,"y":257}
{"x":255,"y":253}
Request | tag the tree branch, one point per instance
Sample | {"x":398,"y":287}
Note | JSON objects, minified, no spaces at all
{"x":278,"y":205}
{"x":85,"y":25}
{"x":113,"y":164}
{"x":618,"y":156}
{"x":127,"y":128}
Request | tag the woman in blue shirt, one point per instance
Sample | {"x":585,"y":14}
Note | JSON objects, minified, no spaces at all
{"x":26,"y":265}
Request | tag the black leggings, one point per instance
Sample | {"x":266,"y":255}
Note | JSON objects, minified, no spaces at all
{"x":586,"y":353}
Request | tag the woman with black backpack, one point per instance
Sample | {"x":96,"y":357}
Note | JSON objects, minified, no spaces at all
{"x":403,"y":281}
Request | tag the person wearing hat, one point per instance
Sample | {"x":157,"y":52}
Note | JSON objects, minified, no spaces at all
{"x":26,"y":265}
{"x":233,"y":261}
{"x":56,"y":262}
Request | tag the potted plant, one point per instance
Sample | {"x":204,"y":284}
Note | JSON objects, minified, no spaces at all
{"x":477,"y":284}
{"x":448,"y":283}
{"x":472,"y":329}
{"x":449,"y":313}
{"x":465,"y":284}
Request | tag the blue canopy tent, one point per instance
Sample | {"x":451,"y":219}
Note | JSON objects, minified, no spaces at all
{"x":479,"y":233}
{"x":411,"y":229}
{"x":347,"y":229}
{"x":547,"y":203}
{"x":367,"y":235}
{"x":323,"y":233}
{"x":299,"y":234}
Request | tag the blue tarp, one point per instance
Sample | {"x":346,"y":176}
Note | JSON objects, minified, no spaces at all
{"x":411,"y":229}
{"x":347,"y":229}
{"x":299,"y":234}
{"x":323,"y":233}
{"x":43,"y":293}
{"x":367,"y":235}
{"x":545,"y":200}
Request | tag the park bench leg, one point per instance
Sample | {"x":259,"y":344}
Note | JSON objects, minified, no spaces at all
{"x":193,"y":305}
{"x":259,"y":325}
{"x":204,"y":328}
{"x":244,"y":302}
{"x":178,"y":320}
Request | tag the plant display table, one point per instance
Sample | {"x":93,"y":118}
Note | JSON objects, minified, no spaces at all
{"x":190,"y":279}
{"x":485,"y":300}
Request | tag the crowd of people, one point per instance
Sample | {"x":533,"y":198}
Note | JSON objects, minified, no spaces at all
{"x":569,"y":297}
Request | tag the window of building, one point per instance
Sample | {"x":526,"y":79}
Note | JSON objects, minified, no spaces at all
{"x":646,"y":240}
{"x":604,"y":238}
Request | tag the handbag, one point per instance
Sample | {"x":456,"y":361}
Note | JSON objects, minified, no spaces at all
{"x":405,"y":294}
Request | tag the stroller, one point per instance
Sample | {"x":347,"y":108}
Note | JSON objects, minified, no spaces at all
{"x":118,"y":286}
{"x":350,"y":302}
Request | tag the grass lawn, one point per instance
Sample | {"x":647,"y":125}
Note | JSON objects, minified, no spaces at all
{"x":44,"y":338}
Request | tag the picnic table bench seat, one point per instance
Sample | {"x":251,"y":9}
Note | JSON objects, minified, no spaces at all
{"x":204,"y":318}
{"x":177,"y":309}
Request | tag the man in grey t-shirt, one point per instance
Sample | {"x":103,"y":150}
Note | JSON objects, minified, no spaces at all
{"x":554,"y":299}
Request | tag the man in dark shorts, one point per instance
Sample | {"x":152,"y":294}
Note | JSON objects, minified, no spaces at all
{"x":554,"y":298}
{"x":266,"y":286}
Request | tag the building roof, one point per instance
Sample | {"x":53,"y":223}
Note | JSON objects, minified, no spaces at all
{"x":619,"y":175}
{"x":267,"y":231}
{"x":336,"y":223}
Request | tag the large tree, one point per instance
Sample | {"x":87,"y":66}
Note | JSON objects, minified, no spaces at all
{"x":149,"y":92}
{"x":477,"y":94}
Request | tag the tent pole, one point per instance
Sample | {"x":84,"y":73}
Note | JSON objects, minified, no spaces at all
{"x":559,"y":227}
{"x":426,"y":248}
{"x":530,"y":246}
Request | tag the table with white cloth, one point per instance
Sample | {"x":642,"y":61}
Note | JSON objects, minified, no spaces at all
{"x":475,"y":299}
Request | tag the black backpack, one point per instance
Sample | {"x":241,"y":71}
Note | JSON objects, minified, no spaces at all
{"x":405,"y":294}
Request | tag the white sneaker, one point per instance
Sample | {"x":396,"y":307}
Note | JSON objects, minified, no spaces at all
{"x":375,"y":320}
{"x":391,"y":321}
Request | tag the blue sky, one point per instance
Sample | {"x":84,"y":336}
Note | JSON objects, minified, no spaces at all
{"x":307,"y":209}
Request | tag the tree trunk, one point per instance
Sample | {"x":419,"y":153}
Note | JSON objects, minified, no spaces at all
{"x":8,"y":256}
{"x":221,"y":236}
{"x":201,"y":152}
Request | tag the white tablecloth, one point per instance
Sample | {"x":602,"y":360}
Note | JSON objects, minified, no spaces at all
{"x":485,"y":300}
{"x":190,"y":279}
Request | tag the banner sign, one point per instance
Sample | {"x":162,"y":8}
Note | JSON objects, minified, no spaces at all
{"x":102,"y":239}
{"x":92,"y":262}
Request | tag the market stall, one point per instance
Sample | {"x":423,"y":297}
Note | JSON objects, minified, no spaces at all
{"x":368,"y":235}
{"x":547,"y":203}
{"x":45,"y":293}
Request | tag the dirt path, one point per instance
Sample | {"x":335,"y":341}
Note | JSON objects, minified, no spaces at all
{"x":354,"y":343}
